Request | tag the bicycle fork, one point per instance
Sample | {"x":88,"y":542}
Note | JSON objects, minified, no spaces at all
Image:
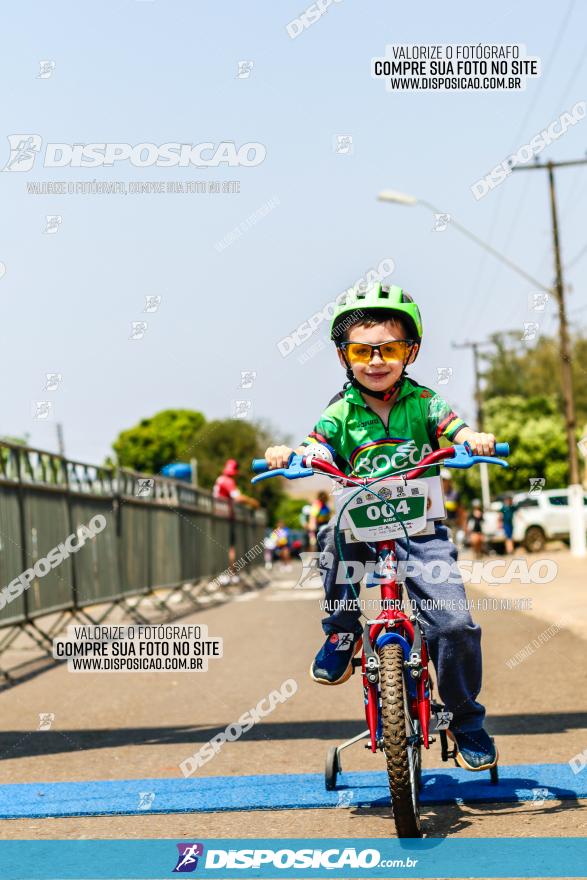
{"x":393,"y":625}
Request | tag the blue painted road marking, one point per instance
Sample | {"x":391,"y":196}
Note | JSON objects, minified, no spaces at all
{"x":520,"y":782}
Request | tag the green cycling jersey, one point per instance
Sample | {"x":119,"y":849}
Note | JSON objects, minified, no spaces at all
{"x":365,"y":447}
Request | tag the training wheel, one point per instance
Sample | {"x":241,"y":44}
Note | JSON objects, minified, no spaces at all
{"x":332,"y":768}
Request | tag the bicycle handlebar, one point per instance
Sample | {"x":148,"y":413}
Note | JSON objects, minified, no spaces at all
{"x":259,"y":465}
{"x":459,"y":456}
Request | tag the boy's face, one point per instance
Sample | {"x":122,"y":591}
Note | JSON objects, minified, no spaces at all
{"x":377,"y":374}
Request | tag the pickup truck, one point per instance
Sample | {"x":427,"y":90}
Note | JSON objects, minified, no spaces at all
{"x":539,"y":518}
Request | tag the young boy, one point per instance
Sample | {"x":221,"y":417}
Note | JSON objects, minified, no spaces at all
{"x":383,"y":422}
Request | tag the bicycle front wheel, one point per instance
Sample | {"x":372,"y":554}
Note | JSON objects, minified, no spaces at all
{"x":400,"y":743}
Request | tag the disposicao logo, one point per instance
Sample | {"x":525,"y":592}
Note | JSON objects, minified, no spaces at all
{"x":24,"y":149}
{"x":187,"y":859}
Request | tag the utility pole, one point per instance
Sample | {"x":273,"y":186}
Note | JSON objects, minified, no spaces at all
{"x":60,"y":440}
{"x":475,"y":346}
{"x":576,"y":504}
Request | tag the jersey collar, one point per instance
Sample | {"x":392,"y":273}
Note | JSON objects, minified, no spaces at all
{"x":353,"y":395}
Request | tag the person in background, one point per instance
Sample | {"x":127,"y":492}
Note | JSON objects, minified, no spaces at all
{"x":476,"y":529}
{"x":268,"y":550}
{"x":319,"y":515}
{"x":508,"y":509}
{"x":281,"y":537}
{"x":226,"y":488}
{"x":304,"y":520}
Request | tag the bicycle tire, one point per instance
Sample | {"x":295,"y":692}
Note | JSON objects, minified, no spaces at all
{"x":395,"y":723}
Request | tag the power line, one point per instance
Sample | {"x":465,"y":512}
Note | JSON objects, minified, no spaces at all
{"x":499,"y":256}
{"x":574,"y":75}
{"x":576,"y":258}
{"x":521,"y":130}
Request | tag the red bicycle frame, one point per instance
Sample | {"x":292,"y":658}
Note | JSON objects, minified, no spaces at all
{"x":392,"y":617}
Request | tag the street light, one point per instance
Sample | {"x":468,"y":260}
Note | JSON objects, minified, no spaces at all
{"x":576,"y":505}
{"x":391,"y":195}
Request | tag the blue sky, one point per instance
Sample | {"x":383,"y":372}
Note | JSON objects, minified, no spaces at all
{"x":159,"y":72}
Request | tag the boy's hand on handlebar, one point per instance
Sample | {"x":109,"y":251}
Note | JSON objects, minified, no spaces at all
{"x":277,"y":456}
{"x":480,"y":443}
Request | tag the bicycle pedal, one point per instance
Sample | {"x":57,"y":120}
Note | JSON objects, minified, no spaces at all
{"x":357,"y":663}
{"x":450,"y":755}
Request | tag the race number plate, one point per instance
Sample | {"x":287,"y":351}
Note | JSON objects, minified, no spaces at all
{"x":371,"y":519}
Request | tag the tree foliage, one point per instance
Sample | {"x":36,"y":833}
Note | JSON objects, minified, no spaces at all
{"x":244,"y":440}
{"x":289,"y":510}
{"x":181,"y":434}
{"x":535,"y":430}
{"x":16,"y":441}
{"x":523,"y":404}
{"x":512,"y":368}
{"x":159,"y":440}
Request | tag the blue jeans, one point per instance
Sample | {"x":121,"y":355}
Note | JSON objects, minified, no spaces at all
{"x":454,"y":640}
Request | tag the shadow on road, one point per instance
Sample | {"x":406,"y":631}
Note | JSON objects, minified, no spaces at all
{"x":446,"y":820}
{"x":24,"y":743}
{"x":540,"y":722}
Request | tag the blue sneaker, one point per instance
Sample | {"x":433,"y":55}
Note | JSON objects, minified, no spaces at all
{"x":476,"y":750}
{"x":333,"y":663}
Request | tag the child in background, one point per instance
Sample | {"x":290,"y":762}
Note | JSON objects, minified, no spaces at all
{"x":319,"y":515}
{"x":281,"y":537}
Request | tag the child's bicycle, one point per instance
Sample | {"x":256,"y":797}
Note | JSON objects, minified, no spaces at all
{"x":394,"y":659}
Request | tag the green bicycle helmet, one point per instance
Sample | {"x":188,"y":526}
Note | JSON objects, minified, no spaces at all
{"x":379,"y":297}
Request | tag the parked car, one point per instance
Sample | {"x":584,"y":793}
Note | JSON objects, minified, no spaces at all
{"x":538,"y":518}
{"x":543,"y":517}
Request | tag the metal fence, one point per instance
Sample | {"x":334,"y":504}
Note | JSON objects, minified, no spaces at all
{"x":158,"y":533}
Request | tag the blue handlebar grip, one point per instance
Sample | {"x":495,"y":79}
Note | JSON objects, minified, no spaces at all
{"x":502,"y":449}
{"x":259,"y":465}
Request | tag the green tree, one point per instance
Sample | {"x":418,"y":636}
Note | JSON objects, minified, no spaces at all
{"x":16,"y":441}
{"x":535,"y":430}
{"x":243,"y":440}
{"x":289,"y":509}
{"x":159,"y":440}
{"x":513,"y":369}
{"x":180,"y":435}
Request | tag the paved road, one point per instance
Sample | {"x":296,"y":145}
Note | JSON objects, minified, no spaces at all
{"x":128,"y":726}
